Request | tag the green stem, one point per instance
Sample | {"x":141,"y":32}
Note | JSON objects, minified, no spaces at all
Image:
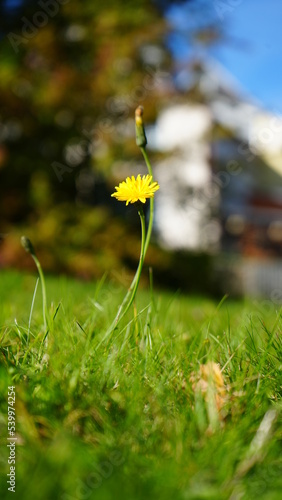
{"x":151,"y":217}
{"x":43,"y":287}
{"x":129,"y":297}
{"x":135,"y":282}
{"x":137,"y":276}
{"x":147,"y":241}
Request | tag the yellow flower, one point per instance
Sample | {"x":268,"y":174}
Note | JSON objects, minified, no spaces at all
{"x":132,"y":190}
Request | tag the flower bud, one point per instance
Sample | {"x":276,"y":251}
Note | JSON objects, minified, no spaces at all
{"x":28,"y":246}
{"x":141,"y":139}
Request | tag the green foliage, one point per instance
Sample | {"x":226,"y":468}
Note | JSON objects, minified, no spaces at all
{"x":124,"y":420}
{"x":71,"y":81}
{"x":88,"y":242}
{"x":67,"y":92}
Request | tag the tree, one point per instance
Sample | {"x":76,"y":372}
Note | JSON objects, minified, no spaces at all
{"x":71,"y":77}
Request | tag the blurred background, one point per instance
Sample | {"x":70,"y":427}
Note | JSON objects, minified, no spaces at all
{"x":208,"y":75}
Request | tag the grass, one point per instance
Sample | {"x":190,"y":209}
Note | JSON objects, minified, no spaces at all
{"x":136,"y":418}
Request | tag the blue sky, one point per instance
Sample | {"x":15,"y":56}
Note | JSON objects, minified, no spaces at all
{"x":253,"y":54}
{"x":12,"y":3}
{"x":253,"y":51}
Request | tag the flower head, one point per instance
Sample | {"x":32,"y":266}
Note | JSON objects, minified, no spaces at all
{"x":132,"y":190}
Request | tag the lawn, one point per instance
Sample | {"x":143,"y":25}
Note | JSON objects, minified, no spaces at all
{"x":182,"y":402}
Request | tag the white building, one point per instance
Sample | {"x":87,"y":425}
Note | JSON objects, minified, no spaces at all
{"x":201,"y":166}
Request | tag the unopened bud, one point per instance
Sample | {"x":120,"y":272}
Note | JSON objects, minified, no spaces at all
{"x":28,"y":246}
{"x":141,"y":139}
